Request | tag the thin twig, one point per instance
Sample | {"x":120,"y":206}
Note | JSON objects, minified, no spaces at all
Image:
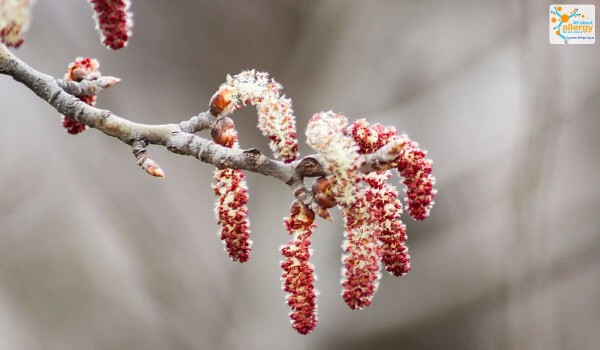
{"x":87,"y":87}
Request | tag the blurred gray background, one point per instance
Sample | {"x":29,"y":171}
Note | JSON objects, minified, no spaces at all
{"x":95,"y":254}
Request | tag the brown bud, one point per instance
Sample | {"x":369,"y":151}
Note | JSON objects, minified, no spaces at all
{"x":155,"y":170}
{"x":223,"y":132}
{"x":149,"y":165}
{"x":220,"y":101}
{"x":83,"y":73}
{"x":78,"y":74}
{"x":324,"y":213}
{"x":322,"y":192}
{"x":300,"y":211}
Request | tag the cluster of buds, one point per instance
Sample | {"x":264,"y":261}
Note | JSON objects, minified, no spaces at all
{"x":15,"y":17}
{"x":275,"y":115}
{"x":230,"y":187}
{"x":83,"y":68}
{"x":113,"y":22}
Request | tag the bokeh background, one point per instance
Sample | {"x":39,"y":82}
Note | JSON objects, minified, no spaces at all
{"x":95,"y":254}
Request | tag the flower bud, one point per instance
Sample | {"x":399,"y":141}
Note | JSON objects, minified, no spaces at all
{"x":301,"y":212}
{"x":220,"y":101}
{"x":83,"y":68}
{"x":224,"y":132}
{"x":322,"y":192}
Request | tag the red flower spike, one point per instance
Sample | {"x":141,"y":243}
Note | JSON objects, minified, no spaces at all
{"x":394,"y":251}
{"x":232,"y":213}
{"x":298,"y":273}
{"x":232,"y":192}
{"x":370,"y":138}
{"x":385,"y":209}
{"x":416,"y":170}
{"x":113,"y":22}
{"x":362,"y":267}
{"x":83,"y":68}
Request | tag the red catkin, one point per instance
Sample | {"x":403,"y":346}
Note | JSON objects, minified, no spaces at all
{"x":232,"y":192}
{"x":298,"y":273}
{"x":113,"y":22}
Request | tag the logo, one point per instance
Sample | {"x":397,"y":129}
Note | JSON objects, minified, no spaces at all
{"x":572,"y":24}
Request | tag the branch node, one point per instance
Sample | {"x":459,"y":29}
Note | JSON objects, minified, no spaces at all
{"x":252,"y":151}
{"x":253,"y":154}
{"x":224,"y":164}
{"x":300,"y":191}
{"x":309,"y":167}
{"x":105,"y":114}
{"x":197,"y":123}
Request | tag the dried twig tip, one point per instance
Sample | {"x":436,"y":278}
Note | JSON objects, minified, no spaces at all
{"x":144,"y":160}
{"x":110,"y":81}
{"x":155,"y":170}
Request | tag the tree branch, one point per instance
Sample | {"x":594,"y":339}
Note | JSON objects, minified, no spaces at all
{"x":177,"y":138}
